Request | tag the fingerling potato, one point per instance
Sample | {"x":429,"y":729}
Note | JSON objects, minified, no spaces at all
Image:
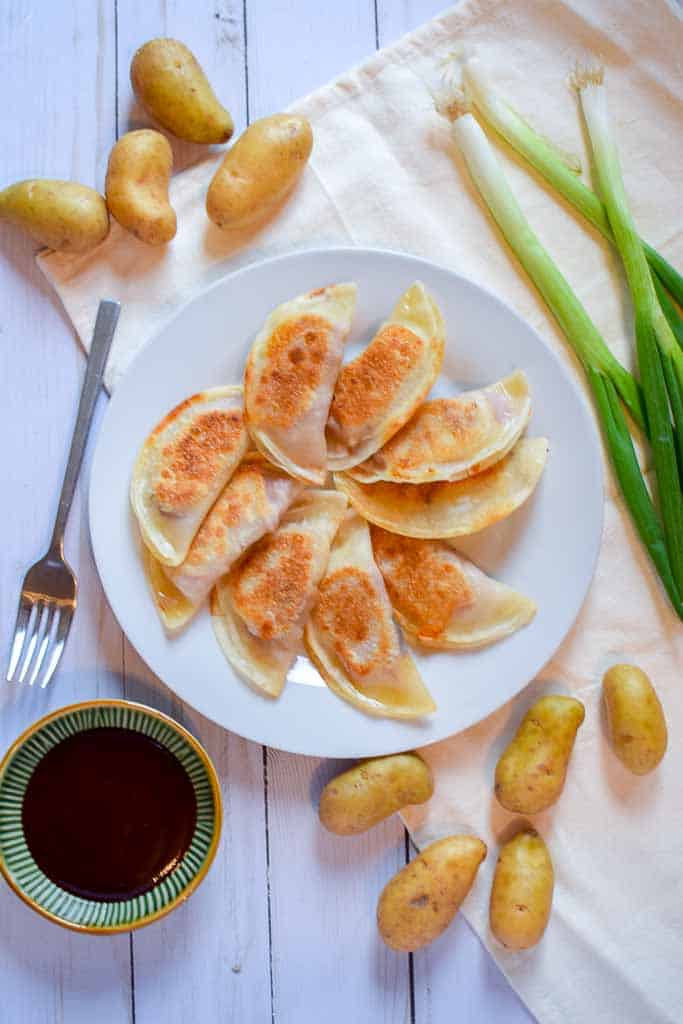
{"x":62,"y":215}
{"x":635,"y":718}
{"x":261,"y":168}
{"x":531,"y":772}
{"x":419,"y":903}
{"x":522,"y":891}
{"x":138,"y":177}
{"x":373,"y":790}
{"x":172,"y":87}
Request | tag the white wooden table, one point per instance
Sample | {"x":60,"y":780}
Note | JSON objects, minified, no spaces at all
{"x":283,"y":928}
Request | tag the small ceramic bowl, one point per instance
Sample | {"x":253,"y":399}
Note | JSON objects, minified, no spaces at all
{"x":96,"y":916}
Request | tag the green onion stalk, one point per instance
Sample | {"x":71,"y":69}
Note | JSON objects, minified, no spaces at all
{"x":557,"y":168}
{"x":660,"y":360}
{"x":607,"y":378}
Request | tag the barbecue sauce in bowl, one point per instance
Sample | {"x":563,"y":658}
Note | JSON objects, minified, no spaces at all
{"x":108,"y":813}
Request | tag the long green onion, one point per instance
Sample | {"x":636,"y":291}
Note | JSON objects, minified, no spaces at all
{"x":660,"y":360}
{"x":577,"y":326}
{"x":553,"y":165}
{"x":631,"y":482}
{"x":489,"y":178}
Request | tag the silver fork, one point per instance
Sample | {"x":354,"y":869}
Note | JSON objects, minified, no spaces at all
{"x":48,"y":595}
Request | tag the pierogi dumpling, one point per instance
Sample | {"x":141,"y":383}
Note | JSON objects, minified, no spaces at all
{"x":250,"y":505}
{"x":379,"y":390}
{"x":289,"y":378}
{"x":443,"y":509}
{"x":260,"y":608}
{"x":183,"y":466}
{"x":453,"y":438}
{"x":351,"y":635}
{"x":443,"y":600}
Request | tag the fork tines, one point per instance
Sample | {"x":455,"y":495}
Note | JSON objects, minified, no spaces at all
{"x":39,"y":636}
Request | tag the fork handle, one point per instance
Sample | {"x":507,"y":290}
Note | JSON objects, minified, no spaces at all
{"x":105,"y":325}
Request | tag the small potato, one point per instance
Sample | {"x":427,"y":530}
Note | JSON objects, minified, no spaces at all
{"x":522,"y":891}
{"x":170,"y":84}
{"x":373,"y":790}
{"x":531,"y":772}
{"x":138,"y":174}
{"x":62,"y":215}
{"x":261,"y":168}
{"x":419,"y":903}
{"x":636,"y":721}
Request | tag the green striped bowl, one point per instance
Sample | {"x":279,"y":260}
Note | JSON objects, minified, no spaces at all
{"x":95,"y":916}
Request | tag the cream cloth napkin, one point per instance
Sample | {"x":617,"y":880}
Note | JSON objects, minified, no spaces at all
{"x":382,"y":173}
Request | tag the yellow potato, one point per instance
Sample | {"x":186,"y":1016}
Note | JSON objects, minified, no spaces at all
{"x":522,"y":891}
{"x":371,"y":791}
{"x":419,"y":903}
{"x":138,"y":174}
{"x":261,"y":168}
{"x":62,"y":215}
{"x":531,"y":771}
{"x":636,"y":721}
{"x":170,"y":84}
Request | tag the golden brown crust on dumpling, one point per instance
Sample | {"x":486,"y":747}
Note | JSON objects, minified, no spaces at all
{"x":246,"y":490}
{"x":449,"y":439}
{"x":192,"y":460}
{"x":422,"y":587}
{"x":272,"y":585}
{"x":351,"y":614}
{"x":296,"y":352}
{"x":367,"y":385}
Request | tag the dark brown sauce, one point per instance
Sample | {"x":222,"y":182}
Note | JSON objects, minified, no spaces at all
{"x":108,"y":813}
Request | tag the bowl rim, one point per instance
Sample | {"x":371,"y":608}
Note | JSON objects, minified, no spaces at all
{"x":214,"y":784}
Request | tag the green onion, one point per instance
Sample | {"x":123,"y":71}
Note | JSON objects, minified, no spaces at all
{"x":554,"y":166}
{"x":669,"y":310}
{"x":607,"y":377}
{"x":631,"y":482}
{"x":577,"y":326}
{"x":660,"y":360}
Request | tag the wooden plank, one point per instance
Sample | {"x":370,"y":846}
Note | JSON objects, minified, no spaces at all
{"x":396,"y":17}
{"x":58,"y":97}
{"x":328,"y":961}
{"x":455,"y":978}
{"x":210,"y":960}
{"x":295,"y":46}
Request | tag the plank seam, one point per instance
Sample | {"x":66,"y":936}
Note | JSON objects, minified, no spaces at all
{"x":268,"y":893}
{"x":246,"y":61}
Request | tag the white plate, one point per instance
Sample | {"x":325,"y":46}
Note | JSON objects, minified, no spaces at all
{"x":547,"y":549}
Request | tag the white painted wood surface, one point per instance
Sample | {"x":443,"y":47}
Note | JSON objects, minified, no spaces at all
{"x":283,"y":928}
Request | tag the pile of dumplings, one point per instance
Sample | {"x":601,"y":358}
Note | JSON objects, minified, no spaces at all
{"x":318,"y":503}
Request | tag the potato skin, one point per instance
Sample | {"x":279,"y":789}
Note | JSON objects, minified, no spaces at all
{"x":138,"y":175}
{"x":419,"y":903}
{"x":260,"y":169}
{"x":62,"y":215}
{"x":373,"y":790}
{"x":531,"y":772}
{"x":635,"y":718}
{"x":522,"y":891}
{"x":169,"y":82}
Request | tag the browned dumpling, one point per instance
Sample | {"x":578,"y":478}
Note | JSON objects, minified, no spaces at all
{"x":352,"y":637}
{"x":379,"y":390}
{"x":442,"y":599}
{"x":260,"y":608}
{"x":453,"y":438}
{"x":183,"y":466}
{"x":446,"y":509}
{"x":249,"y":506}
{"x":289,"y":378}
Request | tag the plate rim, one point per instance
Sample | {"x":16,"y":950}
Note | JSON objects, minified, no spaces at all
{"x":595,"y":453}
